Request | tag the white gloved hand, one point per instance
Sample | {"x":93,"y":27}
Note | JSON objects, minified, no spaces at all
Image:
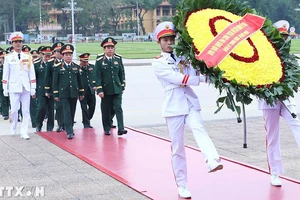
{"x":5,"y":93}
{"x":32,"y":92}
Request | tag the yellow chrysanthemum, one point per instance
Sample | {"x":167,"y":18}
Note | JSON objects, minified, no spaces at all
{"x":266,"y":70}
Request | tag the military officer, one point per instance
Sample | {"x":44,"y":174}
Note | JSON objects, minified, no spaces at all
{"x":19,"y":82}
{"x":48,"y":84}
{"x":33,"y":101}
{"x":67,"y":87}
{"x":34,"y":54}
{"x":4,"y":100}
{"x":110,"y":82}
{"x":88,"y":104}
{"x":181,"y":106}
{"x":44,"y":103}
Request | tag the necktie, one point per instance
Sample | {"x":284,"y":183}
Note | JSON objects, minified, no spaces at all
{"x":109,"y":60}
{"x":173,"y":56}
{"x":19,"y":56}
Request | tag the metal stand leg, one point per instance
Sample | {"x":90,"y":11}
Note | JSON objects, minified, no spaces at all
{"x":245,"y":127}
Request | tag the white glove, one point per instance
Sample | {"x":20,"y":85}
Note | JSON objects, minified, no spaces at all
{"x":5,"y":93}
{"x":204,"y":79}
{"x":32,"y":92}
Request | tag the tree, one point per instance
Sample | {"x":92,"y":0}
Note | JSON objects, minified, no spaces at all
{"x":143,"y":7}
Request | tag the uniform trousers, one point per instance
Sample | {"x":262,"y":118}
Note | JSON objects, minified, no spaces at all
{"x":88,"y":105}
{"x":15,"y":99}
{"x":176,"y":130}
{"x":69,"y":108}
{"x":45,"y":104}
{"x":59,"y":115}
{"x":4,"y":104}
{"x":272,"y":120}
{"x":107,"y":103}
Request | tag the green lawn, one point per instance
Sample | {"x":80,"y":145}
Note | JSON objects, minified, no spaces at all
{"x":134,"y":50}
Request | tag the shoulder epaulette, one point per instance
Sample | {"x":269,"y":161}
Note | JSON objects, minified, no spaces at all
{"x":74,"y":63}
{"x":36,"y":61}
{"x":118,"y":55}
{"x":100,"y":57}
{"x":51,"y":60}
{"x":157,"y":57}
{"x":57,"y":64}
{"x":100,"y":54}
{"x":27,"y":53}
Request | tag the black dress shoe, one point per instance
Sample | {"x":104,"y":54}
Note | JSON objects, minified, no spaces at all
{"x":121,"y":132}
{"x":6,"y":118}
{"x":59,"y":129}
{"x":90,"y":126}
{"x":113,"y":126}
{"x":49,"y":130}
{"x":70,"y":136}
{"x":38,"y":130}
{"x":106,"y":132}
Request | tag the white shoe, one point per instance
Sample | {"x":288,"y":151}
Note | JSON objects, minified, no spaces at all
{"x":275,"y":180}
{"x":215,"y":166}
{"x":25,"y":136}
{"x":184,"y":193}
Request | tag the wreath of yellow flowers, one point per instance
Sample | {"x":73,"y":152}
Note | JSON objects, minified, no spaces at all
{"x":248,"y":64}
{"x":260,"y":65}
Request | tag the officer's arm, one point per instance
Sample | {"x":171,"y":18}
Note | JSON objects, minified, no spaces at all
{"x":48,"y":76}
{"x":5,"y":76}
{"x":80,"y":85}
{"x":98,"y":76}
{"x":123,"y":81}
{"x":55,"y":81}
{"x":166,"y":72}
{"x":93,"y":76}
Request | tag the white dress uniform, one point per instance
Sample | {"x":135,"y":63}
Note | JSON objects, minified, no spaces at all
{"x":19,"y":82}
{"x":271,"y":116}
{"x":181,"y":106}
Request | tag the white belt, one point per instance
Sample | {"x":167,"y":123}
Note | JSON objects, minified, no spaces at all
{"x":172,"y":86}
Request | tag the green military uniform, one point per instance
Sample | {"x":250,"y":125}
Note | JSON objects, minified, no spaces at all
{"x":43,"y":102}
{"x":67,"y":86}
{"x":4,"y":100}
{"x":49,"y":88}
{"x":88,"y":104}
{"x":110,"y":79}
{"x":33,"y":101}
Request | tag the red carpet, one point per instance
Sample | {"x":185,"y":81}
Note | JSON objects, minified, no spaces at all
{"x":142,"y":161}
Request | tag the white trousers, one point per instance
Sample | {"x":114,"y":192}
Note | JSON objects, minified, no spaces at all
{"x":15,"y":100}
{"x":176,"y":130}
{"x":272,"y":119}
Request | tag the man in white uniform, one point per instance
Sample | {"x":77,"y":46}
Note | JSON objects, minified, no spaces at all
{"x":19,"y":83}
{"x":181,"y":106}
{"x":271,"y":114}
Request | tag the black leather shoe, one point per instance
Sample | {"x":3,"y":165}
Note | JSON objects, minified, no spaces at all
{"x":106,"y":132}
{"x":121,"y":132}
{"x":70,"y":136}
{"x":113,"y":126}
{"x":38,"y":130}
{"x":49,"y":130}
{"x":6,"y":118}
{"x":59,"y":129}
{"x":90,"y":126}
{"x":33,"y":125}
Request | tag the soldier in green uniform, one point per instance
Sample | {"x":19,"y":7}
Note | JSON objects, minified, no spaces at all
{"x":88,"y":104}
{"x":33,"y":101}
{"x":67,"y":87}
{"x":110,"y":82}
{"x":34,"y":55}
{"x":49,"y":87}
{"x":44,"y":103}
{"x":4,"y":100}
